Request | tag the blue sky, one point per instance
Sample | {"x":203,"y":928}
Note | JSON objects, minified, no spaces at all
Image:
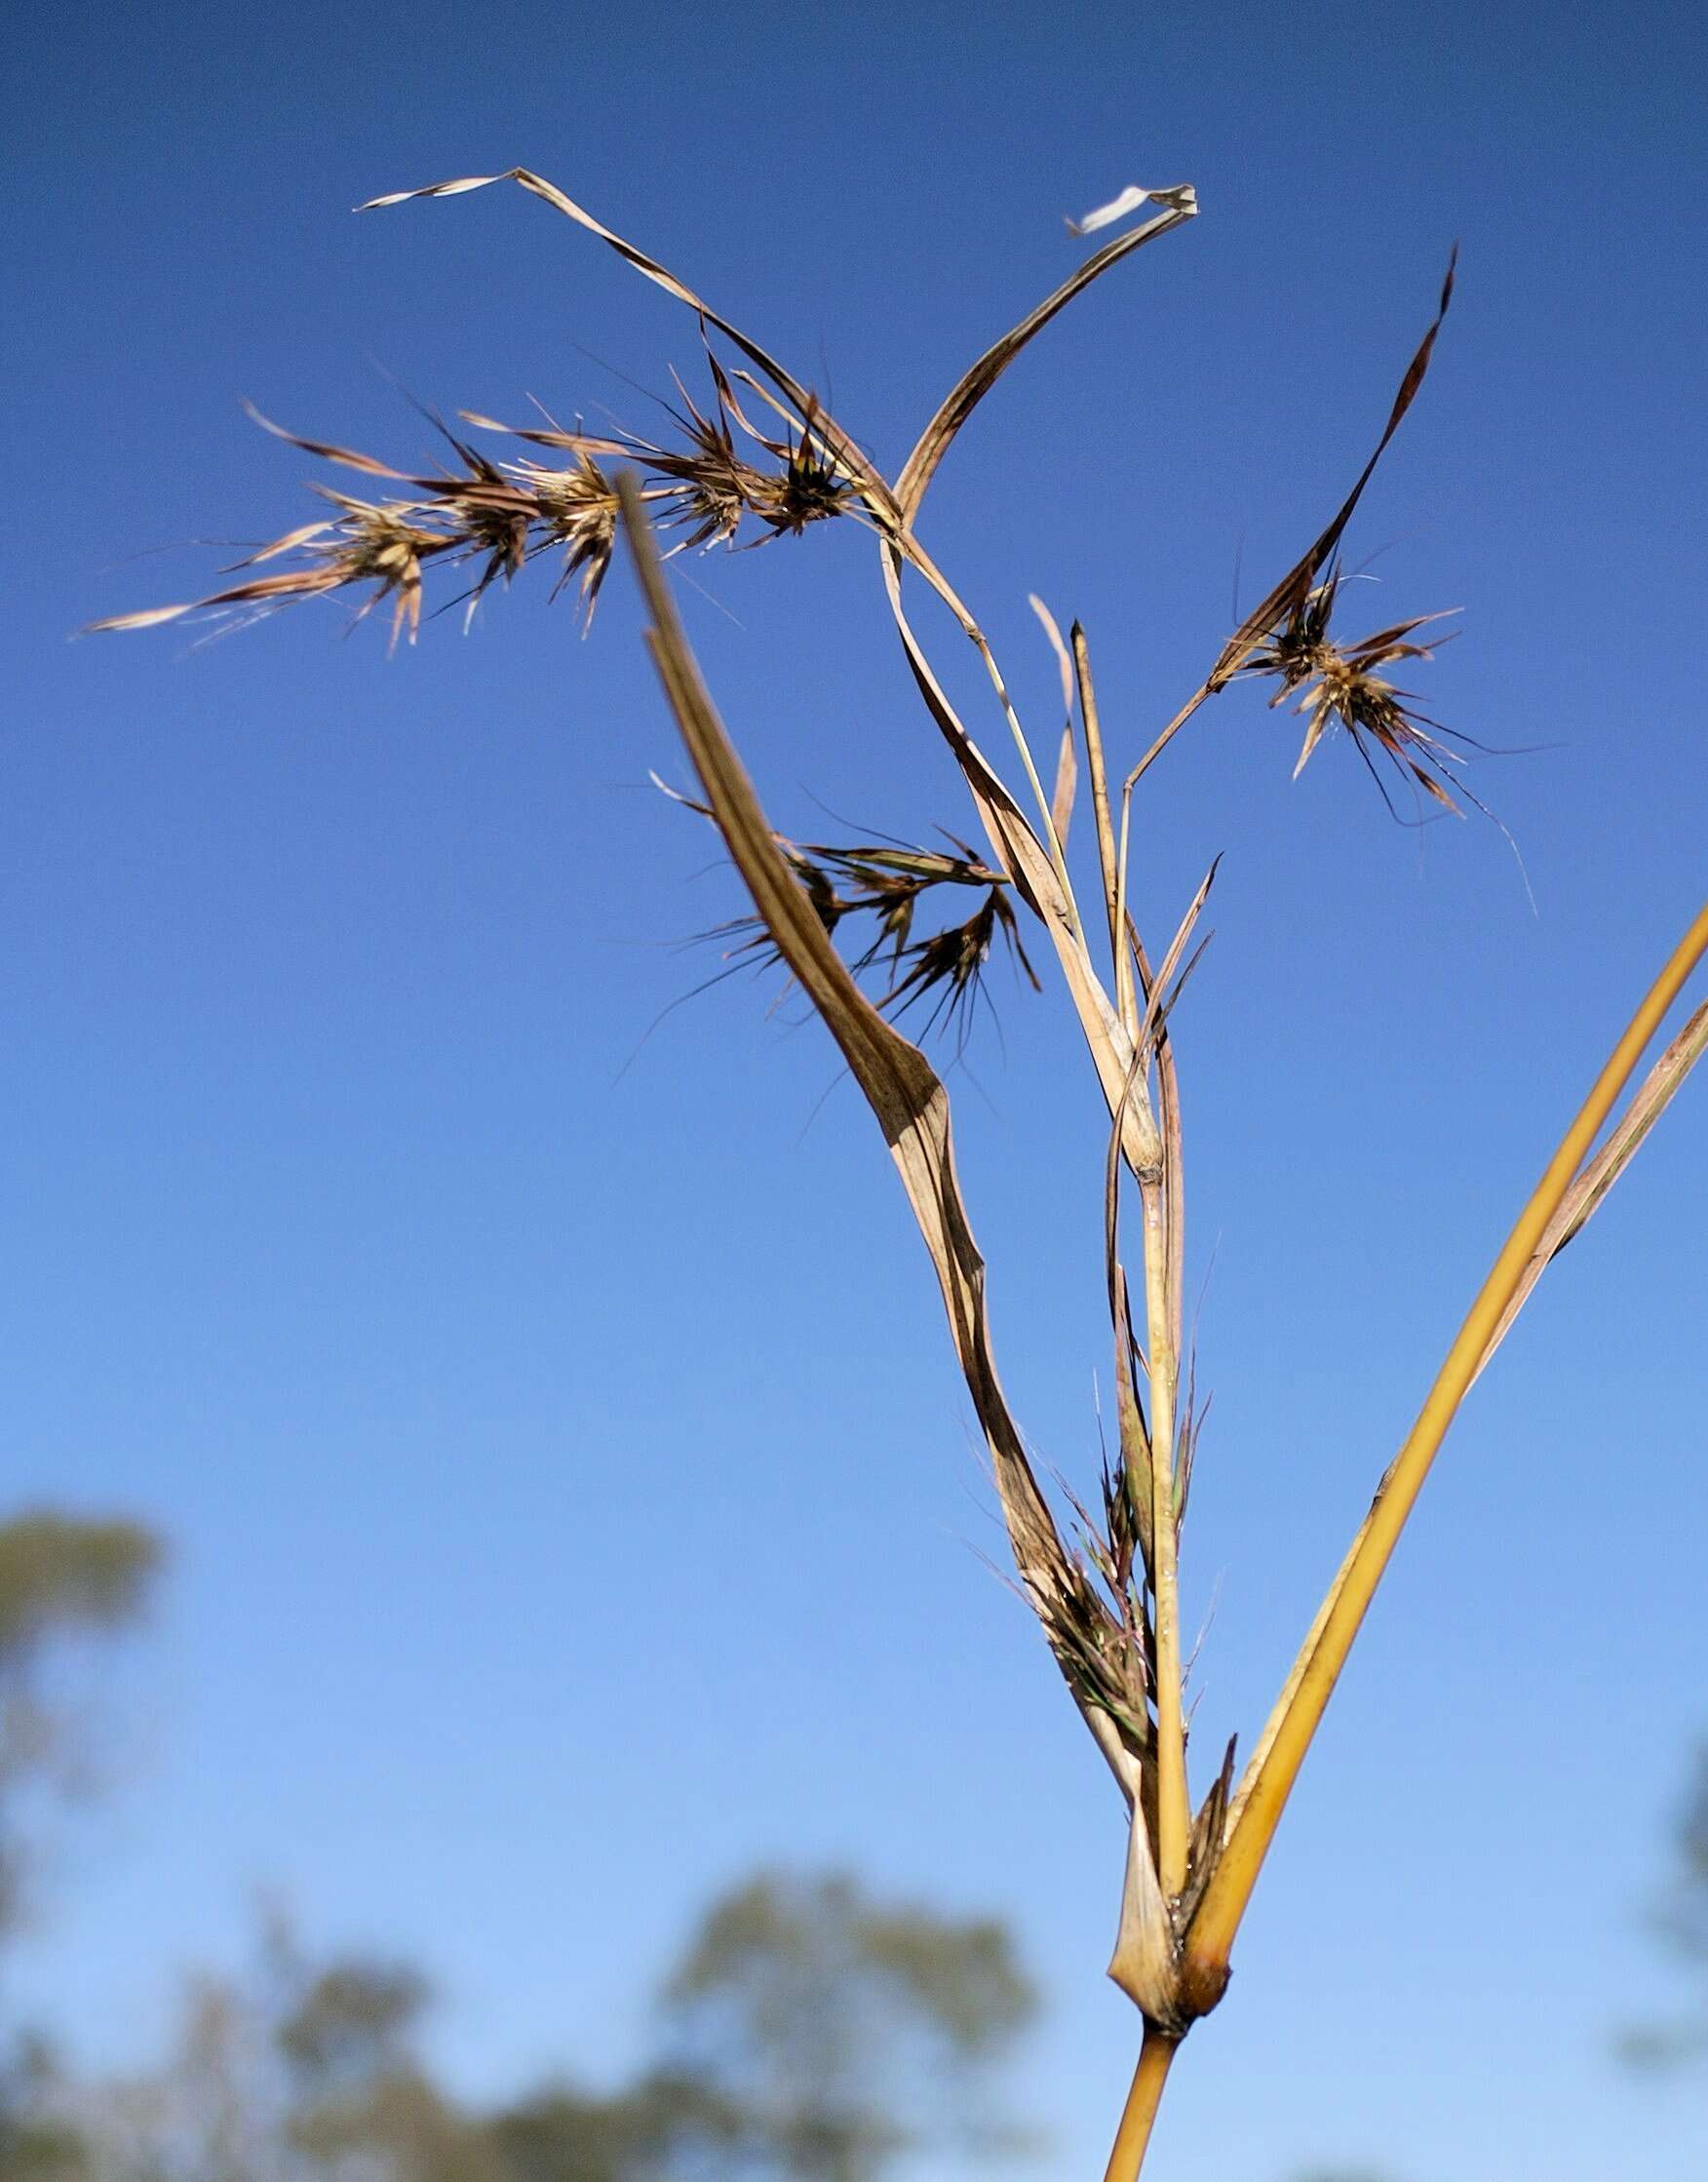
{"x":573,"y":1501}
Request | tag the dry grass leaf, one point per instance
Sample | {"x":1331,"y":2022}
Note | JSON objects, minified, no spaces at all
{"x":1066,"y":757}
{"x":1652,"y":1101}
{"x":1181,"y":195}
{"x":1107,"y":855}
{"x":911,"y":1108}
{"x":1144,"y":1964}
{"x":1290,"y":594}
{"x":1040,"y":873}
{"x":808,"y":411}
{"x":974,"y":383}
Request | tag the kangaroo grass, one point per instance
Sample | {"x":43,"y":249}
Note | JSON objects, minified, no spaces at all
{"x":759,"y":459}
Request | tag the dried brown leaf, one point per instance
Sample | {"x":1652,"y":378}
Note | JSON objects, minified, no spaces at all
{"x":1144,"y":1964}
{"x":1208,"y":1831}
{"x":809,"y":412}
{"x":1129,"y":201}
{"x":911,"y":1108}
{"x":974,"y":383}
{"x":1295,"y":587}
{"x":1066,"y":760}
{"x":1109,"y":863}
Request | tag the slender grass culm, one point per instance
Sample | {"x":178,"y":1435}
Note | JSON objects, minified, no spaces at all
{"x":763,"y":458}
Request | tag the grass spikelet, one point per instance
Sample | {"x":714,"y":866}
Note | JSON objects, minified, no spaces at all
{"x":877,"y":887}
{"x":1336,"y":683}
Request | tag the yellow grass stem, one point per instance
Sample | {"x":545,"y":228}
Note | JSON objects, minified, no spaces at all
{"x":1306,"y":1696}
{"x":1174,"y":1811}
{"x":1138,"y":2116}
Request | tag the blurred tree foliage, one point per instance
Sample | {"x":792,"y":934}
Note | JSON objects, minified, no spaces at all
{"x":37,"y":2144}
{"x":65,"y":1581}
{"x":844,"y":2032}
{"x":1680,"y":1922}
{"x":810,"y":2034}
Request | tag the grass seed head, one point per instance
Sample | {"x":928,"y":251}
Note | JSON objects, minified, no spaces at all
{"x":809,"y":487}
{"x":576,"y":508}
{"x":715,"y":485}
{"x":500,"y":516}
{"x":1341,"y":683}
{"x":884,"y":883}
{"x":379,"y":543}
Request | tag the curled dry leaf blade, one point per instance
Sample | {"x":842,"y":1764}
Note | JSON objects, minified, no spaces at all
{"x":1108,"y":856}
{"x":905,"y":1095}
{"x":1066,"y":786}
{"x":974,"y":383}
{"x":1300,"y":579}
{"x":809,"y":410}
{"x":1068,"y":761}
{"x":1129,"y":201}
{"x":432,"y":189}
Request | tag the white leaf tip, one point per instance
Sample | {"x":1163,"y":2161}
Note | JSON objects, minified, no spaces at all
{"x":1179,"y":197}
